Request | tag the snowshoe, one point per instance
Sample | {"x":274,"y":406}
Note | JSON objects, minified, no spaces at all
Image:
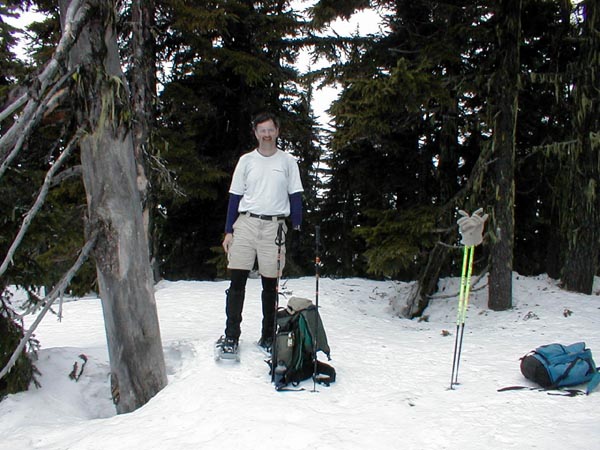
{"x":227,"y":348}
{"x":265,"y":344}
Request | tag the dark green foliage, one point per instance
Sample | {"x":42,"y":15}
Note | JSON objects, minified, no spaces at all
{"x":11,"y":68}
{"x":398,"y":242}
{"x":56,"y":234}
{"x":326,"y":11}
{"x":11,"y":333}
{"x":405,"y":119}
{"x":547,"y":51}
{"x":580,"y":201}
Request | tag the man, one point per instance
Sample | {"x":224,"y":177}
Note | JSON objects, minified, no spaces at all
{"x":265,"y":190}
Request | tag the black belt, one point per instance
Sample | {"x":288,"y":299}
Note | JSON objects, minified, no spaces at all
{"x":264,"y":216}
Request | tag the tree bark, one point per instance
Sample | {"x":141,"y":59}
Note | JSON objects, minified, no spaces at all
{"x":143,"y":94}
{"x":504,"y":101}
{"x":114,"y":209}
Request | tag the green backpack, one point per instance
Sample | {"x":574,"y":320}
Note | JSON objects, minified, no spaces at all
{"x":299,"y":336}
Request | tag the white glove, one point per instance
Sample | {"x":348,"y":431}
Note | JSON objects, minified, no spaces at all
{"x":471,"y":228}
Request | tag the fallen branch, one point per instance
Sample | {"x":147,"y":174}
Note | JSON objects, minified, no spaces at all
{"x":74,"y":375}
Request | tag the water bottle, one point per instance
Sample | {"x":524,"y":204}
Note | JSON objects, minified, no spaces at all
{"x":279,"y":373}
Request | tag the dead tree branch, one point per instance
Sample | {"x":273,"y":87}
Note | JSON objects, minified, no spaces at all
{"x":13,"y":107}
{"x":418,"y":299}
{"x":77,"y":16}
{"x":71,"y":172}
{"x":49,"y":102}
{"x":49,"y":300}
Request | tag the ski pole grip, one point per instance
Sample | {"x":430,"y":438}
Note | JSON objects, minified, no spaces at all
{"x":279,"y":240}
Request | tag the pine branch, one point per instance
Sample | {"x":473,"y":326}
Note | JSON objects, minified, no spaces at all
{"x":39,"y":201}
{"x":49,"y":300}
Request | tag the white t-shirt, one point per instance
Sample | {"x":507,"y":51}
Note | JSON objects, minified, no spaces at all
{"x":264,"y":182}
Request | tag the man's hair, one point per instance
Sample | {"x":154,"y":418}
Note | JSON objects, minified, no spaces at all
{"x":263,"y":117}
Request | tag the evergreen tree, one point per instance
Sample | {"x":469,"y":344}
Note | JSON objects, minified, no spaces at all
{"x":543,"y":119}
{"x":580,"y":209}
{"x":12,"y":197}
{"x":404,"y":136}
{"x":55,"y":238}
{"x":11,"y":68}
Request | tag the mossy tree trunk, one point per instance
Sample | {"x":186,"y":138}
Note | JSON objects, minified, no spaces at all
{"x":114,"y":208}
{"x":504,"y":105}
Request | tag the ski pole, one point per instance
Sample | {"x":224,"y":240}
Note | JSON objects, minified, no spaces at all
{"x":465,"y":306}
{"x":463,"y":301}
{"x":458,"y":312}
{"x":317,"y":274}
{"x":279,"y":241}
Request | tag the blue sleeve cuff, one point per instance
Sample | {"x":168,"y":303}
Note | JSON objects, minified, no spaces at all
{"x":296,"y":209}
{"x":232,"y":212}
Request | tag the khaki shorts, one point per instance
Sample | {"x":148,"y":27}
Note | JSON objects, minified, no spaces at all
{"x":254,"y":239}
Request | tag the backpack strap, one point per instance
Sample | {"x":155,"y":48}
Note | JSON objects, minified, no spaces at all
{"x":549,"y":391}
{"x":594,"y":382}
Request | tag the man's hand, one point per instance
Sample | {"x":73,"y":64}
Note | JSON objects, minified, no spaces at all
{"x":471,"y":228}
{"x":227,"y":242}
{"x":293,"y":241}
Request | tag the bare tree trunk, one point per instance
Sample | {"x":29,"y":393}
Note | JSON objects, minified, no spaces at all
{"x":114,"y":208}
{"x":504,"y":102}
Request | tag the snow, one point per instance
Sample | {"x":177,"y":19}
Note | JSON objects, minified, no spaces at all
{"x":393,"y":376}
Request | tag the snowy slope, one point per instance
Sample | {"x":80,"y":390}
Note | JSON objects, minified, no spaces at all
{"x":393,"y":376}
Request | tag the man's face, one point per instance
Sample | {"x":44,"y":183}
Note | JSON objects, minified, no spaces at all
{"x":266,"y":132}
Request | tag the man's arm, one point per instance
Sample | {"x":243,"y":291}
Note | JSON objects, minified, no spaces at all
{"x":296,"y":210}
{"x":232,"y":214}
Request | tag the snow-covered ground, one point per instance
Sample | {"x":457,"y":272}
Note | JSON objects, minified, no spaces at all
{"x":391,"y":393}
